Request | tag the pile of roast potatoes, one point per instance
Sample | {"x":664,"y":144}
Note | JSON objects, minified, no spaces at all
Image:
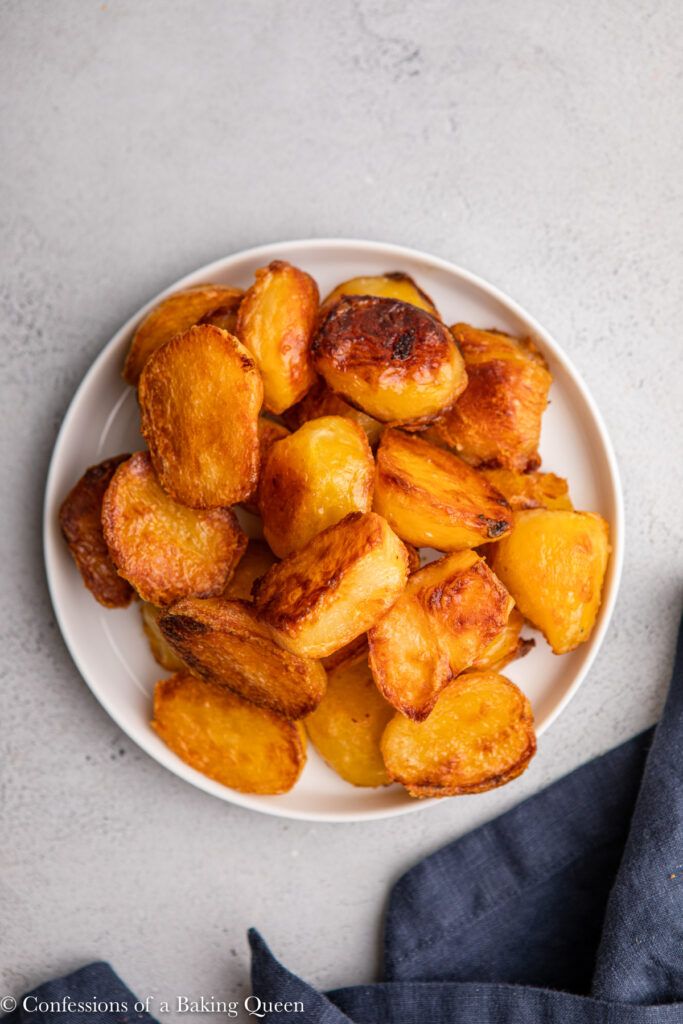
{"x":402,"y":532}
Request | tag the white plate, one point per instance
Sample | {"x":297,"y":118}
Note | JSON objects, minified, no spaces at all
{"x":109,"y":647}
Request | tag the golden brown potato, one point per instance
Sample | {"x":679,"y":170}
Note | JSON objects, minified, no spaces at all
{"x":431,"y":498}
{"x":394,"y":361}
{"x":347,"y":726}
{"x":360,"y":643}
{"x":226,"y":738}
{"x":497,"y":420}
{"x":275,"y":322}
{"x":480,"y":735}
{"x":223,"y":642}
{"x":553,"y":563}
{"x":200,"y":396}
{"x":268,"y":433}
{"x":449,"y":614}
{"x":312,"y":479}
{"x":508,"y":646}
{"x":80,"y":520}
{"x":255,"y":562}
{"x":174,"y":315}
{"x":161,"y":650}
{"x":334,"y":589}
{"x":320,"y":401}
{"x":394,"y":285}
{"x":166,"y":550}
{"x":530,"y":490}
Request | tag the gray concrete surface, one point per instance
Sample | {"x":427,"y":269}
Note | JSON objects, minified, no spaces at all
{"x":537,"y":144}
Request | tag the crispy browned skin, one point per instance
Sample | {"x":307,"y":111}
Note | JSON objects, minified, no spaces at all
{"x":448,"y":615}
{"x":268,"y":433}
{"x":226,"y":738}
{"x":162,"y":652}
{"x":431,"y":498}
{"x":530,"y":490}
{"x":392,"y":285}
{"x":275,"y":322}
{"x":223,"y":642}
{"x":480,"y":735}
{"x":200,"y":396}
{"x":166,"y":550}
{"x":395,"y":361}
{"x":174,"y":315}
{"x":496,"y":422}
{"x":336,"y":587}
{"x":508,"y":646}
{"x":255,"y":562}
{"x":80,"y":520}
{"x":321,"y":401}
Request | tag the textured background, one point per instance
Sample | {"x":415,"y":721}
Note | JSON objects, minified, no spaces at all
{"x":536,"y":144}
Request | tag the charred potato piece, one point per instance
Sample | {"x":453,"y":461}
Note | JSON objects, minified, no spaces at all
{"x":553,"y":563}
{"x":174,"y":315}
{"x":449,"y":614}
{"x":322,"y":597}
{"x":268,"y":433}
{"x":431,"y":498}
{"x":275,"y":322}
{"x":166,"y":550}
{"x":480,"y":735}
{"x":394,"y":361}
{"x":508,"y":646}
{"x":320,"y":401}
{"x":161,"y":650}
{"x":255,"y":562}
{"x":530,"y":490}
{"x":347,"y":726}
{"x":394,"y":285}
{"x":312,"y":479}
{"x":80,"y":520}
{"x":223,"y":642}
{"x":496,"y":422}
{"x":200,"y":396}
{"x":226,"y":738}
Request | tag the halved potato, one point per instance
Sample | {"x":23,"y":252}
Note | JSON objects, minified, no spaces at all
{"x":431,"y":498}
{"x":335,"y":588}
{"x":321,"y":401}
{"x":80,"y":520}
{"x":275,"y":322}
{"x":347,"y":726}
{"x":530,"y":490}
{"x":508,"y":646}
{"x":394,"y":285}
{"x":553,"y":563}
{"x":161,"y":650}
{"x":166,"y":550}
{"x":268,"y":433}
{"x":226,"y":738}
{"x":223,"y":642}
{"x":394,"y":361}
{"x":200,"y":396}
{"x":312,"y":479}
{"x":174,"y":315}
{"x":449,"y":614}
{"x":255,"y":562}
{"x":480,"y":735}
{"x":496,"y":422}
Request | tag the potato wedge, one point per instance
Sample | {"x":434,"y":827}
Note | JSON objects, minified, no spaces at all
{"x":161,"y":650}
{"x":223,"y":642}
{"x":80,"y":520}
{"x":553,"y":563}
{"x":255,"y":562}
{"x":268,"y":433}
{"x":312,"y":479}
{"x":480,"y":735}
{"x":226,"y":738}
{"x":174,"y":315}
{"x":347,"y":726}
{"x":394,"y":361}
{"x":508,"y":646}
{"x":322,"y":597}
{"x":449,"y":614}
{"x":431,"y":498}
{"x":200,"y":396}
{"x":393,"y":285}
{"x":166,"y":550}
{"x":320,"y":401}
{"x":276,"y":321}
{"x":530,"y":490}
{"x":497,"y":420}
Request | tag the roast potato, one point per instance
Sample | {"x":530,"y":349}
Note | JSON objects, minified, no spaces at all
{"x":394,"y":361}
{"x":174,"y":315}
{"x":255,"y":562}
{"x":336,"y":587}
{"x":480,"y":735}
{"x":312,"y":479}
{"x":530,"y":490}
{"x":226,"y":738}
{"x":166,"y":550}
{"x":276,"y":320}
{"x":508,"y":645}
{"x":161,"y":650}
{"x":496,"y":422}
{"x":431,"y":498}
{"x":320,"y":401}
{"x":200,"y":396}
{"x":394,"y":285}
{"x":553,"y":563}
{"x":223,"y":642}
{"x":347,"y":726}
{"x":268,"y":433}
{"x":80,"y":520}
{"x":449,"y":614}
